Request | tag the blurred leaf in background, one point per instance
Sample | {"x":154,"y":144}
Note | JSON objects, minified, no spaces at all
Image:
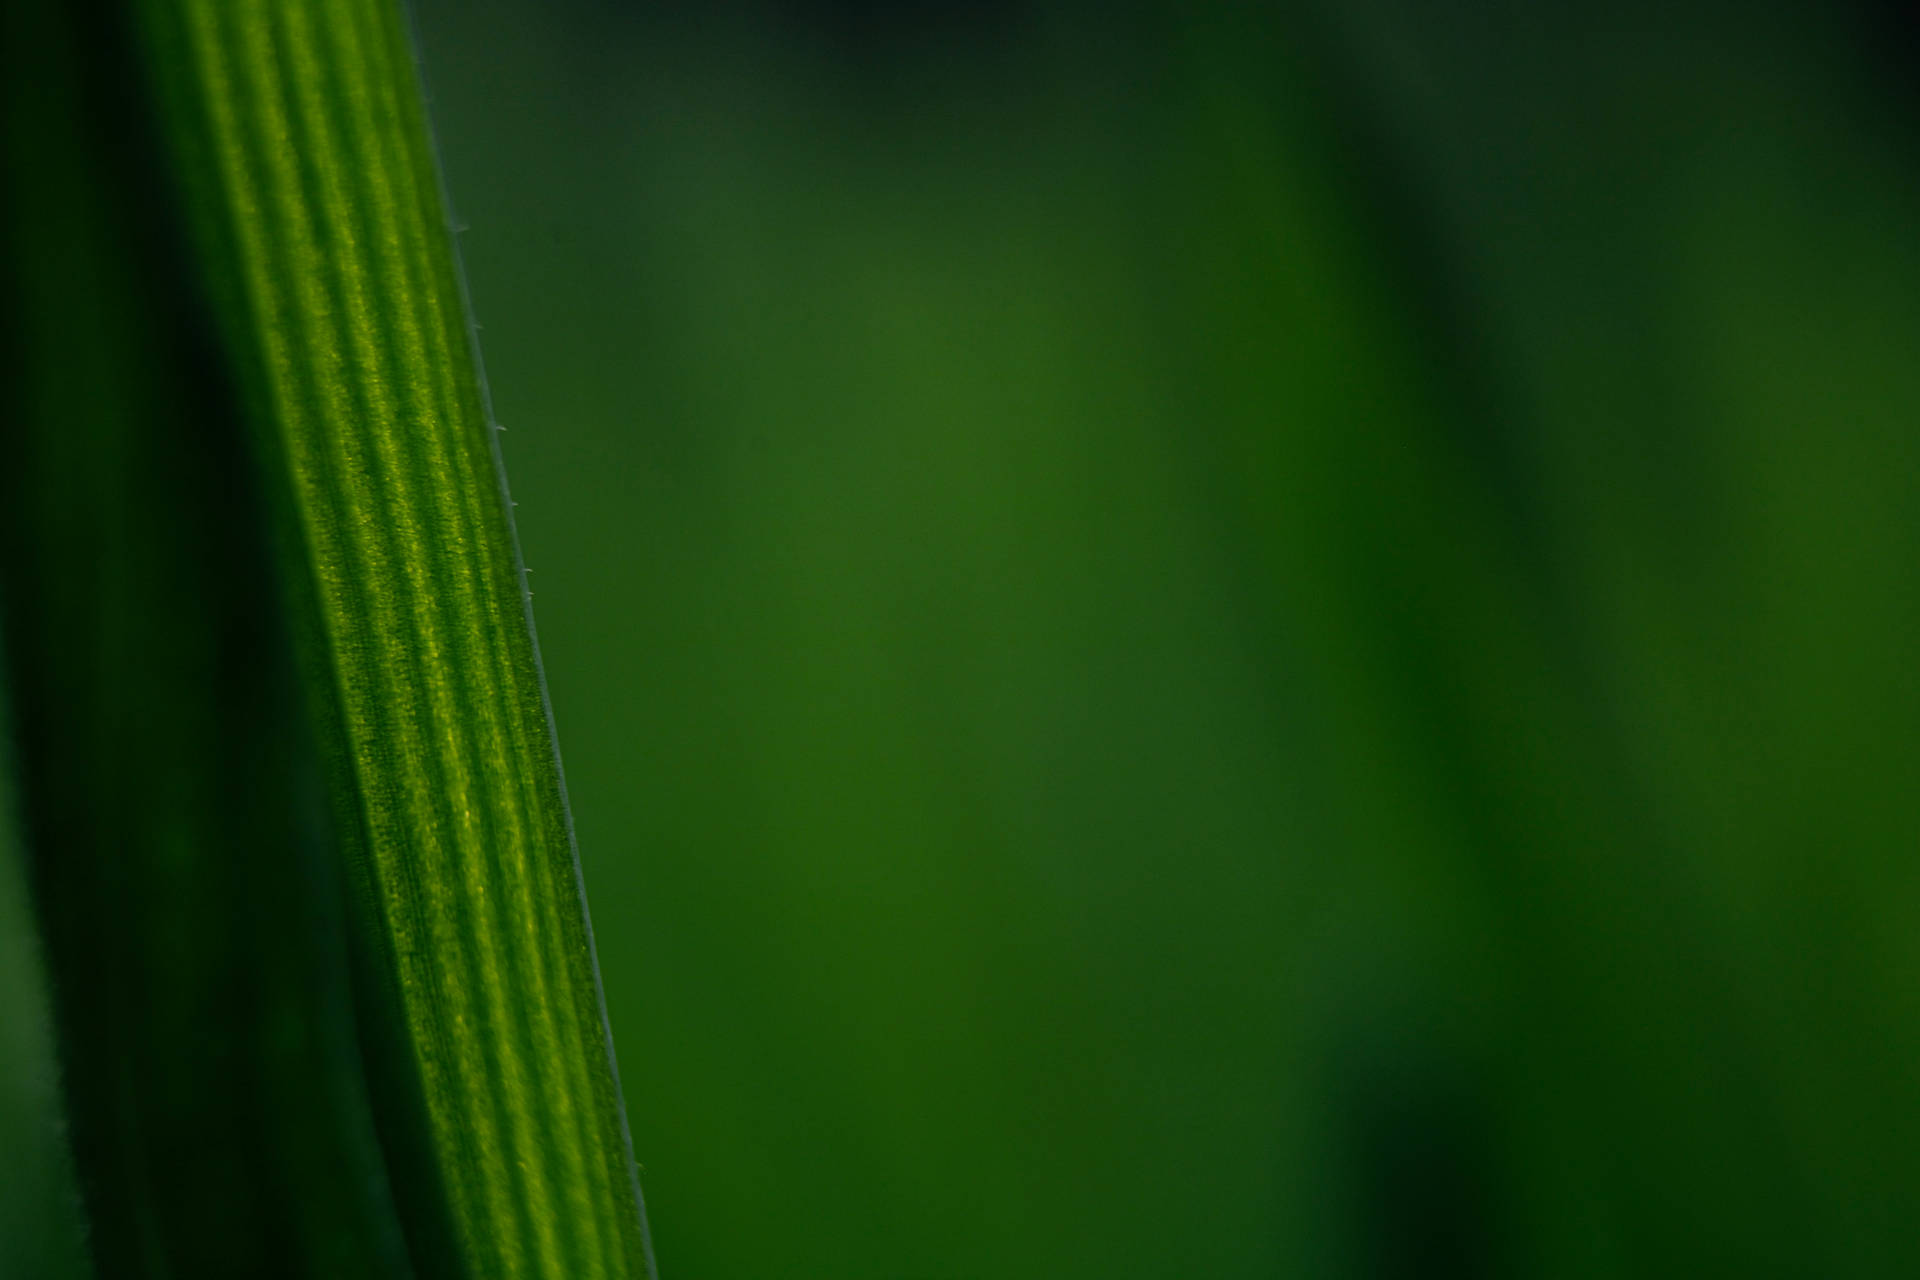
{"x":1209,"y":643}
{"x":40,"y":1231}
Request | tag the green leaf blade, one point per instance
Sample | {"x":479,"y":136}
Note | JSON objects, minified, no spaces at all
{"x":318,"y":195}
{"x":189,"y":902}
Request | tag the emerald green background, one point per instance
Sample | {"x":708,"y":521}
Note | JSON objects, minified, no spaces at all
{"x":1193,"y":645}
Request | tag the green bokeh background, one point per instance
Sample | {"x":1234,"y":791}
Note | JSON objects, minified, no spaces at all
{"x":1191,"y":644}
